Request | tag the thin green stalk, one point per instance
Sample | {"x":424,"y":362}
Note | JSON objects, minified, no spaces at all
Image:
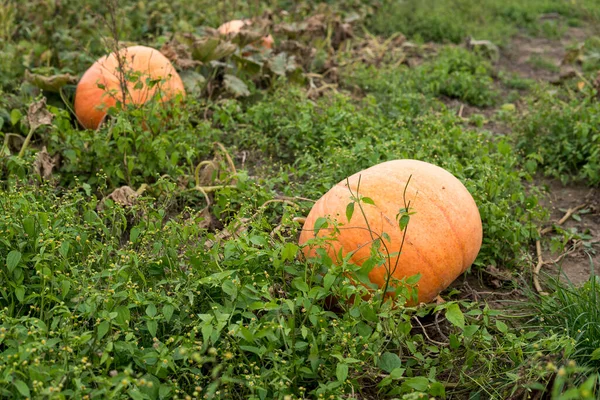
{"x":26,"y":143}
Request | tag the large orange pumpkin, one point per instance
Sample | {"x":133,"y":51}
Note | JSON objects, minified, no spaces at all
{"x":233,"y":27}
{"x":443,"y":237}
{"x":100,"y":87}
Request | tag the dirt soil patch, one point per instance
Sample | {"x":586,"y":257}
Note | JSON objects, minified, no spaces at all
{"x":520,"y":55}
{"x":576,"y":265}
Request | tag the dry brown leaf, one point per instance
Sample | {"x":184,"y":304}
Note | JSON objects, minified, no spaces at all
{"x":44,"y":163}
{"x":38,"y":115}
{"x":179,"y":55}
{"x":124,"y":196}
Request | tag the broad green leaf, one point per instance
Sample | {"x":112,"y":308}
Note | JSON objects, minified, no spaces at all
{"x":15,"y":116}
{"x":501,"y":326}
{"x":20,"y":293}
{"x":12,"y":260}
{"x":455,"y":316}
{"x":320,"y":223}
{"x":168,"y":311}
{"x":419,"y":383}
{"x":103,"y":329}
{"x":389,"y":361}
{"x":289,"y":251}
{"x":341,"y":372}
{"x":22,"y":388}
{"x":123,"y":315}
{"x":151,"y":310}
{"x":152,"y":327}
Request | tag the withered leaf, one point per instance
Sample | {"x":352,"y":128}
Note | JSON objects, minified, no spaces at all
{"x":38,"y":115}
{"x":50,"y":83}
{"x":124,"y":196}
{"x":44,"y":163}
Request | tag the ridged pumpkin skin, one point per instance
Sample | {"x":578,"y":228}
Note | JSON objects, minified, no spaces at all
{"x":91,"y":102}
{"x":233,"y":27}
{"x":444,"y":235}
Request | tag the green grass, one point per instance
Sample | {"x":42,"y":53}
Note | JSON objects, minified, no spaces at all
{"x":558,"y":132}
{"x":497,"y":20}
{"x":189,"y":293}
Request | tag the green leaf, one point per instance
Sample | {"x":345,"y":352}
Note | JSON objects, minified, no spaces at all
{"x":404,"y":220}
{"x":397,"y":373}
{"x":419,"y":383}
{"x":123,"y":315}
{"x":15,"y":116}
{"x":300,"y":284}
{"x":151,"y":310}
{"x":501,"y":326}
{"x":20,"y":293}
{"x":341,"y":372}
{"x":289,"y":251}
{"x":168,"y":311}
{"x":164,"y":391}
{"x":152,"y":327}
{"x":278,"y":64}
{"x":12,"y":260}
{"x":368,"y":200}
{"x":29,"y":226}
{"x":328,"y":280}
{"x":320,"y":223}
{"x":455,"y":316}
{"x":134,"y":234}
{"x":193,"y":82}
{"x":235,"y":86}
{"x":389,"y":361}
{"x":65,"y":287}
{"x":103,"y":329}
{"x":595,"y":354}
{"x":349,"y":211}
{"x":230,"y":289}
{"x":22,"y":388}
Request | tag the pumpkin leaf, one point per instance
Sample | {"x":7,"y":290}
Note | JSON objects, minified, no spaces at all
{"x":50,"y":83}
{"x":349,"y":211}
{"x":235,"y":86}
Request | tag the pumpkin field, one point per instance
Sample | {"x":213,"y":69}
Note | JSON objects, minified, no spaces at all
{"x":351,"y":199}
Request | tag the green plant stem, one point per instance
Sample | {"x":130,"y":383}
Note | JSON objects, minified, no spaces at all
{"x":26,"y":143}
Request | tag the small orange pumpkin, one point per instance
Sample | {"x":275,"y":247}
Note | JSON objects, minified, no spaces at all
{"x":443,"y":237}
{"x":233,"y":27}
{"x":99,"y":88}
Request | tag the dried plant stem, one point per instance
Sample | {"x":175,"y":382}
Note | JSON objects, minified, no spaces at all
{"x":427,"y":336}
